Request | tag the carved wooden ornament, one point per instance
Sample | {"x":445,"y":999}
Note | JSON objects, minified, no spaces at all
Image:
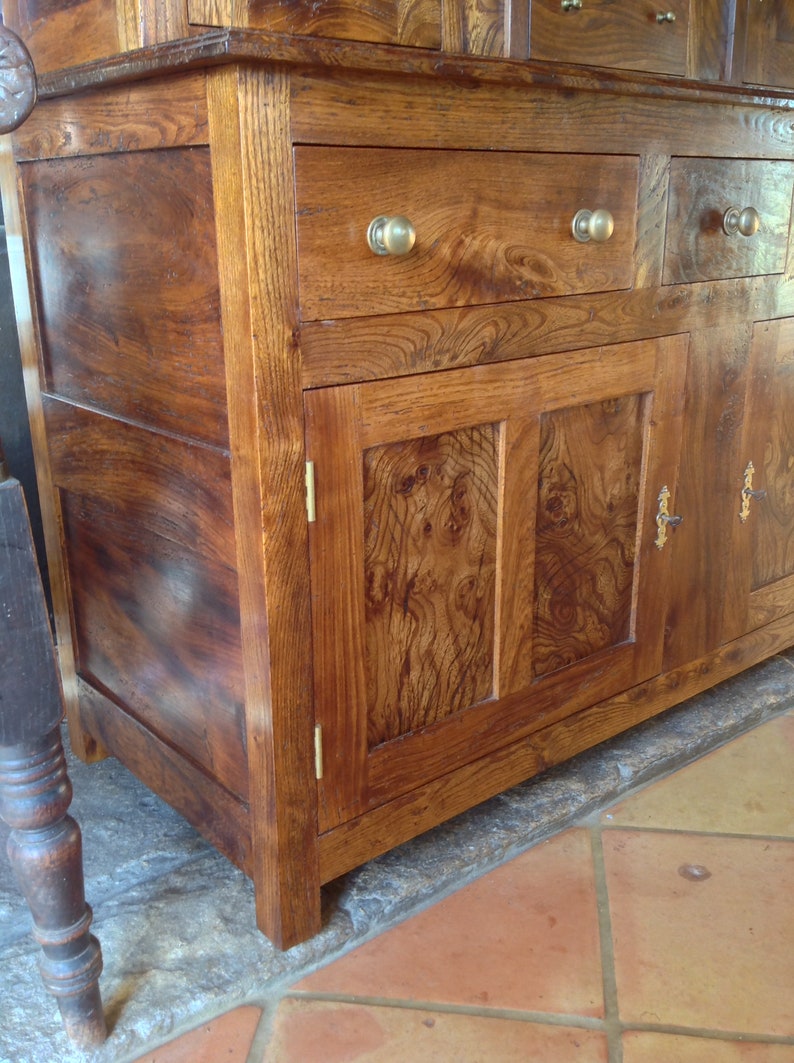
{"x":17,"y":81}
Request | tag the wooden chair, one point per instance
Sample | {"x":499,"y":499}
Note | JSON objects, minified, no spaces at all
{"x":45,"y":844}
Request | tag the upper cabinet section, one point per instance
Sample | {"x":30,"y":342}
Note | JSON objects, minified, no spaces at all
{"x":737,"y":42}
{"x":636,"y":35}
{"x":408,"y":22}
{"x":769,"y":42}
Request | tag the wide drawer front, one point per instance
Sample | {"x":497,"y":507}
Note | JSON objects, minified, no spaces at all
{"x":727,"y":218}
{"x":630,"y":36}
{"x":490,"y":227}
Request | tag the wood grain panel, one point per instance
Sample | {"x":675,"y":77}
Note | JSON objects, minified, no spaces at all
{"x":602,"y":33}
{"x":222,"y":819}
{"x":178,"y":490}
{"x":401,"y":344}
{"x":772,"y":411}
{"x":489,"y":228}
{"x":158,"y":628}
{"x":701,"y":190}
{"x":589,"y":482}
{"x":406,"y":22}
{"x":125,"y":267}
{"x":461,"y":111}
{"x":430,"y":535}
{"x":60,"y":33}
{"x":124,"y":117}
{"x":760,"y":583}
{"x":707,"y":497}
{"x":769,"y":44}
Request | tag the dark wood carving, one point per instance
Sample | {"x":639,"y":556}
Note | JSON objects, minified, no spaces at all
{"x":17,"y":81}
{"x":44,"y":846}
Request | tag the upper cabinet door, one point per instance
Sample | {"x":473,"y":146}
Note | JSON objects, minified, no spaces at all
{"x":485,"y":557}
{"x":761,"y":584}
{"x":769,"y":43}
{"x":630,"y":36}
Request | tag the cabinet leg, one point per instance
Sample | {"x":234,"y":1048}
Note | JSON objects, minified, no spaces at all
{"x":45,"y":850}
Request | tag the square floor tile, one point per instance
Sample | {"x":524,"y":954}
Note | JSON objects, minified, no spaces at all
{"x":746,"y":787}
{"x":227,"y":1039}
{"x":313,"y":1031}
{"x":668,"y":1048}
{"x":703,"y":930}
{"x":524,"y":936}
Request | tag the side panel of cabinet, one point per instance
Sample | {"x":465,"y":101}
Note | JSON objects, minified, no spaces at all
{"x":762,"y":576}
{"x":484,"y":557}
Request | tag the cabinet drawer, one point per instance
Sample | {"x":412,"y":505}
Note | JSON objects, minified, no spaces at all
{"x":636,"y":36}
{"x":700,"y":243}
{"x":490,"y":227}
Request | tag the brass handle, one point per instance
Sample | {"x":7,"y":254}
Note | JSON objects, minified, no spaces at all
{"x":391,"y":236}
{"x":595,"y":225}
{"x":745,"y":221}
{"x":571,"y":5}
{"x":666,"y":16}
{"x":664,"y":519}
{"x":748,"y":493}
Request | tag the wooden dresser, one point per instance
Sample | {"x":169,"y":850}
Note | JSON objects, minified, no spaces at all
{"x":412,"y":388}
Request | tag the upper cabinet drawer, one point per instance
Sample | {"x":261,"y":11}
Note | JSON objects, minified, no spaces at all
{"x":630,"y":35}
{"x":489,"y":227}
{"x":727,"y":218}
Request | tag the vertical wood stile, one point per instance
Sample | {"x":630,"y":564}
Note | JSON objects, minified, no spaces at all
{"x":250,"y":140}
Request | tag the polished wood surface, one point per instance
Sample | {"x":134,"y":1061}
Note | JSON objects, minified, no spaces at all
{"x":45,"y":843}
{"x":601,"y":33}
{"x":504,"y":234}
{"x":487,"y":583}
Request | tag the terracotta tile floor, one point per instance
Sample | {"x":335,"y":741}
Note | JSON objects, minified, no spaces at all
{"x":660,"y":931}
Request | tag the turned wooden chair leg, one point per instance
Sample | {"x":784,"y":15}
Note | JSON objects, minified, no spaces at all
{"x":45,"y":844}
{"x":45,"y":849}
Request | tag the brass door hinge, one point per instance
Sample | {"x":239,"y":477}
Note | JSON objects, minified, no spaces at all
{"x":318,"y":751}
{"x":311,"y":510}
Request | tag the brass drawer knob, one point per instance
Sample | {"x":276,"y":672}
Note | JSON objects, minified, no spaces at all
{"x":595,"y":225}
{"x":571,"y":5}
{"x":666,"y":16}
{"x":391,"y":236}
{"x":745,"y":221}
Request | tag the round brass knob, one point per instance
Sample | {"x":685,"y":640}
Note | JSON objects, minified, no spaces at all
{"x":595,"y":225}
{"x":666,"y":16}
{"x":391,"y":236}
{"x":745,"y":221}
{"x":571,"y":5}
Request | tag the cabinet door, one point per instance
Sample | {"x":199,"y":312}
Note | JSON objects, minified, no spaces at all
{"x":484,"y":556}
{"x":761,"y":585}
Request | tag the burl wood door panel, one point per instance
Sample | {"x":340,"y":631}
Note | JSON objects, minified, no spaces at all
{"x":697,"y":246}
{"x":490,"y":227}
{"x":604,"y":33}
{"x":483,"y":558}
{"x":762,"y":576}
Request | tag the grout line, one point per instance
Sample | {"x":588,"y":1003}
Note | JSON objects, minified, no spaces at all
{"x":612,"y":1022}
{"x":611,"y":828}
{"x":543,"y":1018}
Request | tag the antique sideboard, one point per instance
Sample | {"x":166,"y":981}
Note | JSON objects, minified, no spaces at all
{"x":412,"y":390}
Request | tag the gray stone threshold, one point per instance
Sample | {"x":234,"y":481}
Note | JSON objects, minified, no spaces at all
{"x":176,"y":919}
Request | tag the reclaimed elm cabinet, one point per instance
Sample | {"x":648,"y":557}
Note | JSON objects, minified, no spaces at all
{"x":344,"y":542}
